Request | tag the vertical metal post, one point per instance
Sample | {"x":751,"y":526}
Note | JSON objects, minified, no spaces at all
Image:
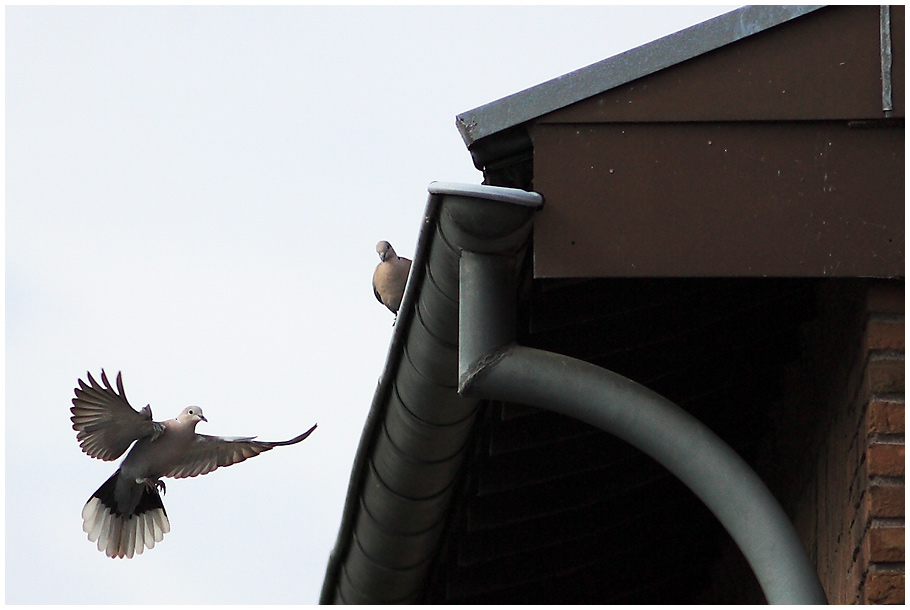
{"x":887,"y":59}
{"x":486,"y":315}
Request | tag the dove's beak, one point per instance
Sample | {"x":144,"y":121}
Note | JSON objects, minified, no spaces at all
{"x":202,"y":417}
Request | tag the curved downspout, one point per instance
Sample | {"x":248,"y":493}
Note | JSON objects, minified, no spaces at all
{"x":492,"y":366}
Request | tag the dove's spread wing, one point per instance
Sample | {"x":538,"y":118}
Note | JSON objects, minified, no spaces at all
{"x":105,"y":421}
{"x":207,"y":453}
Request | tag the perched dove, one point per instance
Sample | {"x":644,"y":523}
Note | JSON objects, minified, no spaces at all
{"x":126,"y":514}
{"x":390,"y":277}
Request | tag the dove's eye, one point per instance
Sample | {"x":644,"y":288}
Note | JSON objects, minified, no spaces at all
{"x":191,"y":412}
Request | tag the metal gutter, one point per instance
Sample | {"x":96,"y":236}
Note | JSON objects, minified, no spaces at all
{"x":512,"y":111}
{"x":415,"y":434}
{"x":493,"y":367}
{"x":455,"y":346}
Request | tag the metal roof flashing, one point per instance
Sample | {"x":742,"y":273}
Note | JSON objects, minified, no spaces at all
{"x":513,"y":110}
{"x":415,"y":435}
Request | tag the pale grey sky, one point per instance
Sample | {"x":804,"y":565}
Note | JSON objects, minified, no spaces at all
{"x":193,"y":197}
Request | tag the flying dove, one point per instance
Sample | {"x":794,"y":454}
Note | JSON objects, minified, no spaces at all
{"x":390,"y":277}
{"x":126,"y":514}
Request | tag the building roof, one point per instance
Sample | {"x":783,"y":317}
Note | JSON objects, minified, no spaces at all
{"x":513,"y":110}
{"x":421,"y":434}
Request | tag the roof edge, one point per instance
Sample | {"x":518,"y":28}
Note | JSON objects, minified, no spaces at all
{"x":562,"y":91}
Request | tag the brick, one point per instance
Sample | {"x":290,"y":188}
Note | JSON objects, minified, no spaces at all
{"x":885,"y":460}
{"x":885,"y":501}
{"x":886,"y":375}
{"x":885,"y":417}
{"x":884,"y":335}
{"x":884,"y":588}
{"x":884,"y":544}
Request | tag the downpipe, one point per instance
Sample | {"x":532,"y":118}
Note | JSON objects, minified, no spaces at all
{"x":492,"y":366}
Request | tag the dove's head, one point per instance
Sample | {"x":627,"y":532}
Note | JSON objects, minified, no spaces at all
{"x":385,"y":251}
{"x":192,"y":415}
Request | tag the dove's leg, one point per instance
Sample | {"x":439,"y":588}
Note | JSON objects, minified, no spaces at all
{"x":158,"y":484}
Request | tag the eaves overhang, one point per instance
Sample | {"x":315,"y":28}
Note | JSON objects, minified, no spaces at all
{"x":504,"y":117}
{"x":416,"y":432}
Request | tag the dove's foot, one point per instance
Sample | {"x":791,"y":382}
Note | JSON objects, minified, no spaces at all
{"x":157,"y":484}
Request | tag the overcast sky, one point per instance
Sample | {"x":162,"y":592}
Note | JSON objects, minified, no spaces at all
{"x":193,"y":197}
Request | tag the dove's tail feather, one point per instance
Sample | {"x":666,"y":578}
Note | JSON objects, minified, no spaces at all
{"x":124,"y":535}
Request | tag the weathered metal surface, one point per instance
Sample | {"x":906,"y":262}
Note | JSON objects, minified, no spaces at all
{"x":802,"y":199}
{"x":887,"y":57}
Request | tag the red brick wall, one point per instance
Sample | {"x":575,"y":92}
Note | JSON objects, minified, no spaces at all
{"x":878,"y":528}
{"x":852,"y":514}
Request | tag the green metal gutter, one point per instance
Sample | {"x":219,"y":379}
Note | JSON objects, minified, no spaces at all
{"x":413,"y":442}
